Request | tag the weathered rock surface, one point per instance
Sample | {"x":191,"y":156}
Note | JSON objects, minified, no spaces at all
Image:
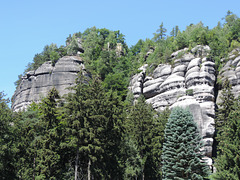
{"x":231,"y":71}
{"x":36,"y":84}
{"x":167,"y":86}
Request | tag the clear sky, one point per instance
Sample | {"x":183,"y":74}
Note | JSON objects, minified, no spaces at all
{"x":26,"y":26}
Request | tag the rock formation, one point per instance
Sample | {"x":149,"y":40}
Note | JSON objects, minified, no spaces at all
{"x":36,"y":84}
{"x":231,"y":71}
{"x":189,"y":82}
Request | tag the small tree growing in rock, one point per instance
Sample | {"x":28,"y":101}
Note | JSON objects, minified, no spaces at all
{"x":182,"y":158}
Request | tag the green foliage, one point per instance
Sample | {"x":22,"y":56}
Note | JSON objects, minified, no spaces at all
{"x":7,"y":139}
{"x":189,"y":92}
{"x":93,"y":130}
{"x":161,"y":33}
{"x":228,"y":159}
{"x":84,"y":136}
{"x":145,"y":131}
{"x":228,"y":133}
{"x":182,"y":157}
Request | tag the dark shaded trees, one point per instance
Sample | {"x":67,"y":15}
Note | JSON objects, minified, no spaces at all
{"x":145,"y":131}
{"x":7,"y":141}
{"x":93,"y":130}
{"x":228,"y":136}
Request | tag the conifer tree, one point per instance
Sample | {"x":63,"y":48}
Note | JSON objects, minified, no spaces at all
{"x":228,"y":136}
{"x":159,"y":123}
{"x":93,"y":130}
{"x":27,"y":129}
{"x":140,"y":124}
{"x":228,"y":159}
{"x":225,"y":105}
{"x":7,"y":138}
{"x":48,"y":159}
{"x":182,"y":158}
{"x":161,"y":33}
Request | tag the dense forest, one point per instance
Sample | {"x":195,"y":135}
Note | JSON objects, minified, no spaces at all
{"x":100,"y":132}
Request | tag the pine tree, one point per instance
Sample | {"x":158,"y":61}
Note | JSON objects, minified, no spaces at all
{"x":159,"y":123}
{"x":48,"y":160}
{"x":140,"y":124}
{"x":225,"y":106}
{"x":161,"y":33}
{"x":93,"y":129}
{"x":27,"y":130}
{"x":228,"y":136}
{"x":182,"y":158}
{"x":228,"y":159}
{"x":7,"y":139}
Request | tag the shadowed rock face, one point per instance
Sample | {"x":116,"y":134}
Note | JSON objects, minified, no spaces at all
{"x":36,"y":84}
{"x":189,"y":83}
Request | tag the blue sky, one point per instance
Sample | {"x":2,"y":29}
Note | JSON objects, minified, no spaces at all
{"x":26,"y":26}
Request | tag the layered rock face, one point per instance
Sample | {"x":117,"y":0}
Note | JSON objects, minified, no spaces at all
{"x":231,"y":71}
{"x":36,"y":84}
{"x":189,"y":82}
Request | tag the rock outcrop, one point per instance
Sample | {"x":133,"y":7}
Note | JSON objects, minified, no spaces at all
{"x":231,"y":71}
{"x":36,"y":84}
{"x":189,"y":82}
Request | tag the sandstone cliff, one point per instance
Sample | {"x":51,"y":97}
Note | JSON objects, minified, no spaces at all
{"x":231,"y":71}
{"x":189,"y":82}
{"x":36,"y":84}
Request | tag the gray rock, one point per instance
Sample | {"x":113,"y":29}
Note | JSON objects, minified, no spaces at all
{"x":167,"y":88}
{"x":36,"y":85}
{"x":200,"y":50}
{"x":162,"y":71}
{"x":193,"y":63}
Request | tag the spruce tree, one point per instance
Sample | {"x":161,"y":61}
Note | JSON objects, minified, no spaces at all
{"x":228,"y":159}
{"x":93,"y":130}
{"x":140,"y":124}
{"x":7,"y":139}
{"x":228,"y":136}
{"x":49,"y":164}
{"x":225,"y":106}
{"x":27,"y":130}
{"x":182,"y":158}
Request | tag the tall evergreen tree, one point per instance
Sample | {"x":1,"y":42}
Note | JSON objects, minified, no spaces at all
{"x":161,"y":33}
{"x":228,"y":136}
{"x":48,"y":159}
{"x":225,"y":105}
{"x":27,"y":130}
{"x":159,"y":123}
{"x":228,"y":159}
{"x":93,"y":130}
{"x":140,"y":124}
{"x":7,"y":139}
{"x":182,"y":158}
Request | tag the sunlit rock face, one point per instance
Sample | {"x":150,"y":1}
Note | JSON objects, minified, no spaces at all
{"x":36,"y":84}
{"x":231,"y":71}
{"x":188,"y":83}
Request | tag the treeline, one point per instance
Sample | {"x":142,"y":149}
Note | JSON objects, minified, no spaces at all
{"x":93,"y":134}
